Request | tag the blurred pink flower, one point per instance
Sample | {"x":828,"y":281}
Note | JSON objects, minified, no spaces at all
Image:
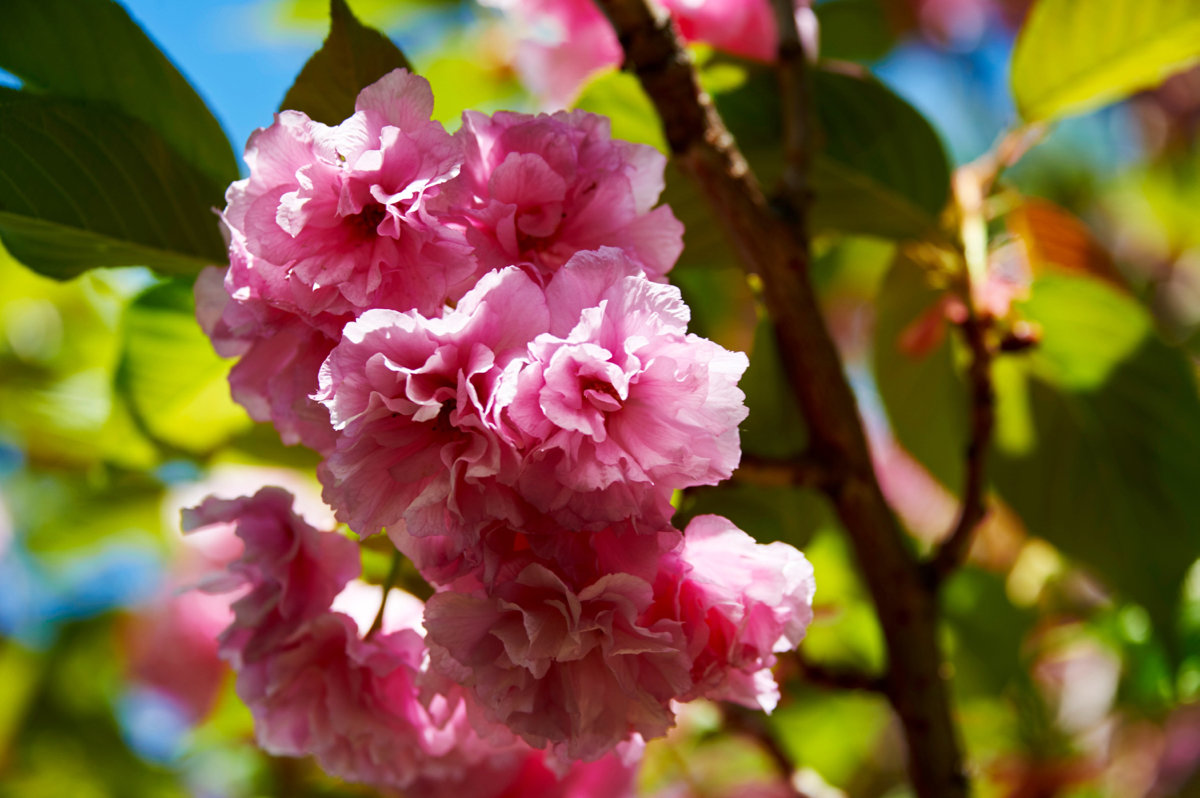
{"x":739,"y":603}
{"x":414,"y":401}
{"x":171,"y":645}
{"x":538,"y":189}
{"x":742,"y":27}
{"x":619,"y":404}
{"x":293,"y":571}
{"x":561,"y":44}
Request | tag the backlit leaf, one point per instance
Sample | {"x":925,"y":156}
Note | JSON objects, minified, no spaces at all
{"x":1074,"y":55}
{"x":176,"y":384}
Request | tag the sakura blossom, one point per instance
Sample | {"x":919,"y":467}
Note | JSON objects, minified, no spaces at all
{"x":414,"y":401}
{"x":561,"y":43}
{"x":742,"y":27}
{"x":364,"y":705}
{"x":740,"y":602}
{"x":538,"y":189}
{"x":619,"y":404}
{"x":334,"y":219}
{"x":574,"y":669}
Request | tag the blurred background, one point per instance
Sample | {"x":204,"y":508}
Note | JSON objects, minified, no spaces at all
{"x":114,"y":414}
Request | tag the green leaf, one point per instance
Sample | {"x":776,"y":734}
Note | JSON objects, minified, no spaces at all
{"x":1075,"y":55}
{"x":353,"y":57}
{"x":1103,"y":461}
{"x":854,"y":30}
{"x":988,"y":658}
{"x":91,"y":50}
{"x":83,"y":186}
{"x":918,"y":382}
{"x":882,"y":169}
{"x":175,"y":383}
{"x":1096,"y":429}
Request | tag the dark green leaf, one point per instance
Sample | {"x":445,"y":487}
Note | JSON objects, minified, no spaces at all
{"x":91,"y":50}
{"x":1074,"y":55}
{"x":987,"y":657}
{"x":854,"y":30}
{"x":882,"y":168}
{"x":83,"y":186}
{"x":175,"y":383}
{"x":352,"y":57}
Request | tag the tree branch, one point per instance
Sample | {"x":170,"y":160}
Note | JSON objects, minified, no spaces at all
{"x":799,"y":472}
{"x":777,"y":250}
{"x":795,"y":93}
{"x":833,"y":676}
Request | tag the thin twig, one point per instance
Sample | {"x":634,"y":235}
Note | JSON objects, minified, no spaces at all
{"x":954,"y":548}
{"x":388,"y":584}
{"x":971,"y":186}
{"x":777,"y":250}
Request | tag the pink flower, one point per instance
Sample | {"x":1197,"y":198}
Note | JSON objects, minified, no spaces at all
{"x":577,"y":670}
{"x":537,"y":189}
{"x":739,"y":602}
{"x":741,"y":27}
{"x":619,"y":404}
{"x":561,"y":44}
{"x":293,"y":571}
{"x":366,"y":709}
{"x":415,"y":402}
{"x":171,"y":645}
{"x":611,"y":776}
{"x":279,"y":357}
{"x":334,"y":218}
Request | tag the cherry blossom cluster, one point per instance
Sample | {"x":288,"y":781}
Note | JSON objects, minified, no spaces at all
{"x":475,"y":332}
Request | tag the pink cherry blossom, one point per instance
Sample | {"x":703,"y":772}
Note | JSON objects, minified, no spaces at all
{"x":171,"y":646}
{"x":619,"y":404}
{"x":366,"y":709}
{"x":611,"y":776}
{"x":293,"y":571}
{"x":334,"y":218}
{"x":739,"y":602}
{"x":537,"y":189}
{"x":741,"y":27}
{"x":577,"y":670}
{"x":415,"y":402}
{"x":561,"y":44}
{"x":279,"y":355}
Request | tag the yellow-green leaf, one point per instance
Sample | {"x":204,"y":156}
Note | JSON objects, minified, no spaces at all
{"x":1075,"y":55}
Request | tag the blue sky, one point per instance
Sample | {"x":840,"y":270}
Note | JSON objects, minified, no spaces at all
{"x":232,"y":51}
